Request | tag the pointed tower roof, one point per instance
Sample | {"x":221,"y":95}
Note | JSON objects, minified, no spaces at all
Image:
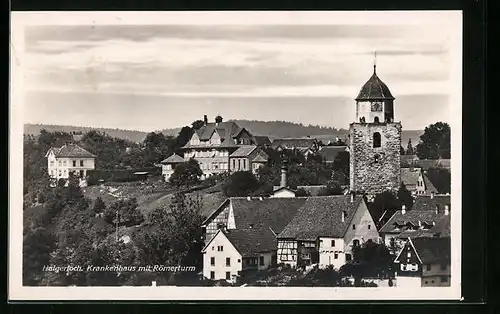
{"x":374,"y":89}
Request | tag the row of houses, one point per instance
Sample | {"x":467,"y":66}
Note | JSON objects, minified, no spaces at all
{"x":247,"y":234}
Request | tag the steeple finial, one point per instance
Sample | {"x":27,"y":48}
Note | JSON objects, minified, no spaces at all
{"x":375,"y":63}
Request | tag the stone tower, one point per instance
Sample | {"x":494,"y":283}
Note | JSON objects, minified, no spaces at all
{"x":375,"y":140}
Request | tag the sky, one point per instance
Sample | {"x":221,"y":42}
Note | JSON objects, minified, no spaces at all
{"x":151,"y":77}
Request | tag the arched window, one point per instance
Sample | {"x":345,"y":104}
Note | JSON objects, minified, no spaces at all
{"x":355,"y":243}
{"x":376,"y":139}
{"x":376,"y":120}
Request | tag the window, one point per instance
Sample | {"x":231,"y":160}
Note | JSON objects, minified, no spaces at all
{"x":81,"y":163}
{"x":228,"y":275}
{"x":336,"y":255}
{"x":444,"y":279}
{"x":376,"y":139}
{"x":239,"y":164}
{"x":348,"y":257}
{"x":234,"y":163}
{"x":64,"y":162}
{"x":74,"y":163}
{"x":428,"y":267}
{"x":228,"y":261}
{"x":426,"y":282}
{"x":376,"y":120}
{"x":443,"y":266}
{"x":220,"y":248}
{"x":408,"y":255}
{"x":403,"y":267}
{"x":261,"y":260}
{"x":244,"y":163}
{"x":59,"y":163}
{"x":212,"y":261}
{"x":353,"y":227}
{"x":212,"y":275}
{"x":239,"y":260}
{"x":52,"y":163}
{"x":213,"y":247}
{"x":369,"y":227}
{"x":333,"y":242}
{"x":355,"y":243}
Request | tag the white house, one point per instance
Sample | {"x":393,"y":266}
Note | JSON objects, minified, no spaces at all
{"x":70,"y":158}
{"x":230,"y":253}
{"x":325,"y":230}
{"x":168,"y":165}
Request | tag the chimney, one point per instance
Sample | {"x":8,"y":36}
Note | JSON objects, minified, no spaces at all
{"x":284,"y":171}
{"x":205,"y":119}
{"x":446,"y":210}
{"x":403,"y":209}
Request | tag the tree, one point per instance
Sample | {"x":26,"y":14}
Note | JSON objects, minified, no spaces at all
{"x":196,"y":125}
{"x":409,"y":148}
{"x":37,"y":246}
{"x":405,"y":197}
{"x":385,"y":201}
{"x":341,"y":167}
{"x":125,"y":211}
{"x":184,"y":136}
{"x":99,"y":205}
{"x":441,"y":178}
{"x":186,"y":174}
{"x":435,"y":142}
{"x":376,"y":257}
{"x":330,"y":190}
{"x":241,"y":183}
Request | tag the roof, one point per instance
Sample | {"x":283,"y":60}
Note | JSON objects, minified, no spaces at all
{"x":329,"y":153}
{"x":407,"y":160}
{"x":322,"y":216}
{"x":423,"y":202}
{"x":249,"y":242}
{"x":398,"y":223}
{"x":429,"y":187}
{"x":243,"y":151}
{"x":261,"y":212}
{"x":173,"y":159}
{"x":260,"y":158}
{"x":290,"y":143}
{"x":433,"y":250}
{"x":226,"y":130}
{"x":433,"y":163}
{"x":262,"y":140}
{"x":409,"y":176}
{"x":442,"y":227}
{"x":70,"y":151}
{"x":313,"y":189}
{"x":374,"y":89}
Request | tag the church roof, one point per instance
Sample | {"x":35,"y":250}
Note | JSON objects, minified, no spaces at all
{"x":374,"y":89}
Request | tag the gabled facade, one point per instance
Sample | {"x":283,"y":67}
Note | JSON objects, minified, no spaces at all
{"x":69,"y":159}
{"x":417,"y":182}
{"x":424,"y":262}
{"x":231,"y":253}
{"x":325,"y":230}
{"x":213,"y":143}
{"x":247,"y":158}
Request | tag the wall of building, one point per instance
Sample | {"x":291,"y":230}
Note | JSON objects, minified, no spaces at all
{"x":220,"y":268}
{"x":408,"y":282}
{"x":437,"y":275}
{"x":331,"y":255}
{"x":363,"y":231}
{"x":211,"y":160}
{"x":366,"y":174}
{"x":62,"y":167}
{"x":364,"y":110}
{"x":239,"y":164}
{"x":287,"y":252}
{"x":212,"y":226}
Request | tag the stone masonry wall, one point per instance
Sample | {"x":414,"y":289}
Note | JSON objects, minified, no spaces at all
{"x":369,"y":176}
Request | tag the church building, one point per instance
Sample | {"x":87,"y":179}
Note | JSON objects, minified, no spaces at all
{"x":375,"y":140}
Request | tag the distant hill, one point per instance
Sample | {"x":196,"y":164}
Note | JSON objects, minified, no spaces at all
{"x":273,"y":129}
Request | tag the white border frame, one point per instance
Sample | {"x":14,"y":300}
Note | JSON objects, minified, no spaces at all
{"x":19,"y":20}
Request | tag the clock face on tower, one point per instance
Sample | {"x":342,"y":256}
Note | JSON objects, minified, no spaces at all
{"x":376,"y":106}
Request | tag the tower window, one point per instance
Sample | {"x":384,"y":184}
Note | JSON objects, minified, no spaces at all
{"x":376,"y":139}
{"x":376,"y":120}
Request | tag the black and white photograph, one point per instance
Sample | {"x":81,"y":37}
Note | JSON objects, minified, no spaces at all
{"x":235,"y":155}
